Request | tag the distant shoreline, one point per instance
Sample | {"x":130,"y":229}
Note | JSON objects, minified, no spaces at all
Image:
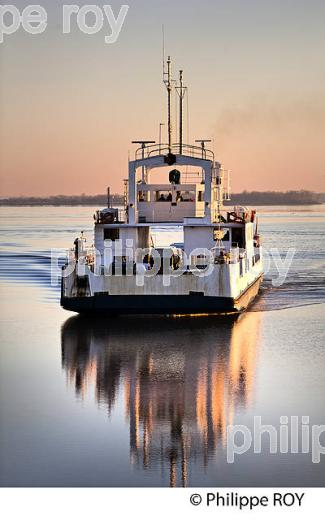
{"x":246,"y":198}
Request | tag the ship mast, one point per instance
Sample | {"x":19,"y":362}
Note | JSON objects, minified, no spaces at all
{"x":181,"y":93}
{"x":168,"y":83}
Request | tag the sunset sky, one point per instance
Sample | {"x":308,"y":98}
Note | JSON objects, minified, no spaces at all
{"x":70,"y":105}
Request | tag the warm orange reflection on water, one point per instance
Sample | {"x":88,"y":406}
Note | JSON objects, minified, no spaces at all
{"x":182,"y":381}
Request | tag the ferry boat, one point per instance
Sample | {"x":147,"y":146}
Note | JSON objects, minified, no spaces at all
{"x":216,"y":268}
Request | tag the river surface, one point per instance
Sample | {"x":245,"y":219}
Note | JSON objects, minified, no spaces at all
{"x":149,"y":401}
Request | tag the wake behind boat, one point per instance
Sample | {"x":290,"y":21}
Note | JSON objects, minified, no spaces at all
{"x":217,"y":268}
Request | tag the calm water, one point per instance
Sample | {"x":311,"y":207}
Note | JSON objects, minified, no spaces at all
{"x":146,"y":401}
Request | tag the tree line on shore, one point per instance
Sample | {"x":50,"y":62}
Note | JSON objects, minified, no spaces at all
{"x":276,"y":198}
{"x":257,"y":198}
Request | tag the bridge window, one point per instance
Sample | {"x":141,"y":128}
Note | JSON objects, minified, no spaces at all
{"x":163,"y":196}
{"x":188,"y":196}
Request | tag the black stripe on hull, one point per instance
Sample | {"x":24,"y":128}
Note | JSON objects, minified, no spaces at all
{"x":160,"y":304}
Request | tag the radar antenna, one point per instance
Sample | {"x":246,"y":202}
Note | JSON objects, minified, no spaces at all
{"x":203,"y":141}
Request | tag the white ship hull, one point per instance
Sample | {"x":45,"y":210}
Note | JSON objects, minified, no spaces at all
{"x":220,"y":292}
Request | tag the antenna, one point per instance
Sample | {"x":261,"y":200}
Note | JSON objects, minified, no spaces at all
{"x":168,"y":83}
{"x":203,"y":141}
{"x":181,"y":90}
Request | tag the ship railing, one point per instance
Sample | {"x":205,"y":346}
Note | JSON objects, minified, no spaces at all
{"x":221,"y":255}
{"x":198,"y":216}
{"x":188,"y":150}
{"x":120,"y":217}
{"x":186,"y":178}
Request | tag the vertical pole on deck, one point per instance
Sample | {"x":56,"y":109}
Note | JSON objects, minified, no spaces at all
{"x":168,"y":83}
{"x":207,"y":191}
{"x":181,"y":112}
{"x":160,"y":133}
{"x":181,"y":90}
{"x":132,"y":193}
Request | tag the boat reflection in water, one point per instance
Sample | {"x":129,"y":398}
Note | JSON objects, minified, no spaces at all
{"x":182,"y":381}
